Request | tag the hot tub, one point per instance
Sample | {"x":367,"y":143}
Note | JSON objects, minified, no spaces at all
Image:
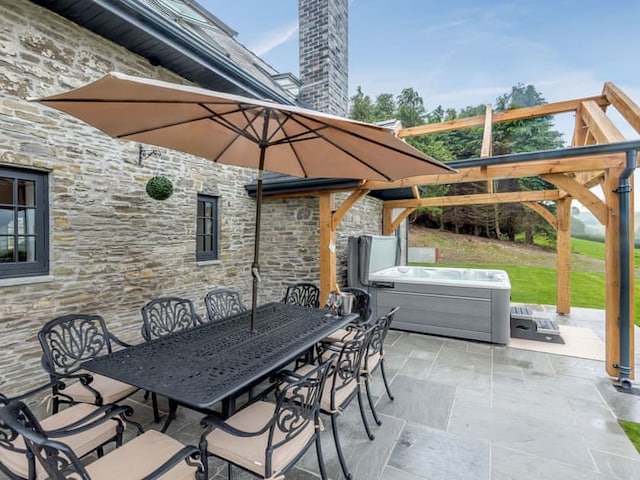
{"x":457,"y":302}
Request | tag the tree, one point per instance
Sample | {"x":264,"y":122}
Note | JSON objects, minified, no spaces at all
{"x":361,"y":108}
{"x":410,"y":108}
{"x":384,"y":107}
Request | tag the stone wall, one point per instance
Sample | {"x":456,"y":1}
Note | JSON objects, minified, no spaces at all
{"x":112,"y":247}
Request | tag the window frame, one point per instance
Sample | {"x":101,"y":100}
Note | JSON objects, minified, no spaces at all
{"x":40,"y":266}
{"x":203,"y":255}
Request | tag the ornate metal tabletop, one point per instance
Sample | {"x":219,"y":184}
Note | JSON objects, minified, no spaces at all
{"x":206,"y":364}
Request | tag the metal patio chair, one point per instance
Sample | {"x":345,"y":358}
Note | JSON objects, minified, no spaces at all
{"x":165,"y":316}
{"x":265,"y":438}
{"x":303,"y":294}
{"x":362,"y":306}
{"x":343,"y":383}
{"x":149,"y":455}
{"x":103,"y":426}
{"x":222,"y":303}
{"x":66,"y":343}
{"x":374,"y":357}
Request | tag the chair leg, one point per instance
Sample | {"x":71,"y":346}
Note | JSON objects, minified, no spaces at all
{"x":229,"y":471}
{"x":173,"y":406}
{"x":154,"y":402}
{"x":100,"y":452}
{"x":323,"y":469}
{"x":336,"y":440}
{"x":370,"y":399}
{"x":55,"y":405}
{"x":384,"y":379}
{"x":365,"y":422}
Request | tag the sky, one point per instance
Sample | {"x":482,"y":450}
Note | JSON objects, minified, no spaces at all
{"x":465,"y":52}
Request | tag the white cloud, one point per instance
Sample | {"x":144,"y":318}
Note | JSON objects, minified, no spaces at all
{"x":274,"y":38}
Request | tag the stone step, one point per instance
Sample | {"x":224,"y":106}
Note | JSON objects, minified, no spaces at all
{"x":521,"y":313}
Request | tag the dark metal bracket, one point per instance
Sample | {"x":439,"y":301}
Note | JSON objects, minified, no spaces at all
{"x":144,"y":153}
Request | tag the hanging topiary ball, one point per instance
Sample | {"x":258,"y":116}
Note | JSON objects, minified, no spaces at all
{"x":159,"y":188}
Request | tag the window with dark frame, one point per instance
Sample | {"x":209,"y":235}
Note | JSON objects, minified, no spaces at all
{"x":207,"y":228}
{"x":24,"y":223}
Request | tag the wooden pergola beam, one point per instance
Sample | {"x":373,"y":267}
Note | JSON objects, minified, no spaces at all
{"x":599,"y":125}
{"x":345,"y":206}
{"x":627,"y":107}
{"x":487,"y":135}
{"x":395,"y":223}
{"x":585,"y":196}
{"x":478,"y":199}
{"x":512,"y":170}
{"x":498,"y":117}
{"x":543,"y":212}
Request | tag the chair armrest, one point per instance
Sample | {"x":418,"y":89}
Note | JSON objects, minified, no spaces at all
{"x":213,"y":422}
{"x":116,"y":340}
{"x":99,"y":416}
{"x":186,"y":454}
{"x":55,"y":382}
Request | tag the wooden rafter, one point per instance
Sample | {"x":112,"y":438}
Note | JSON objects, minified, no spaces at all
{"x":627,"y":107}
{"x":599,"y":125}
{"x":498,"y":117}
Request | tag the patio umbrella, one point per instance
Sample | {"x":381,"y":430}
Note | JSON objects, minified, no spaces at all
{"x":242,"y":131}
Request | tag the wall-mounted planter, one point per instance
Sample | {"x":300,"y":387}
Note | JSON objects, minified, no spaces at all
{"x":159,"y":188}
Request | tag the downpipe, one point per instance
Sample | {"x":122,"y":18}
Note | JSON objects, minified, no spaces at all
{"x":624,"y":191}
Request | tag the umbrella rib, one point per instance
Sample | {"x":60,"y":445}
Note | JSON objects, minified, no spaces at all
{"x":281,"y":124}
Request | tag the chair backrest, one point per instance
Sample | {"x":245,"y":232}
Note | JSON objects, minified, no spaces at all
{"x":303,"y":294}
{"x":380,"y":328}
{"x":222,"y":303}
{"x":58,"y":460}
{"x":70,"y":340}
{"x":298,"y":404}
{"x":345,"y":371}
{"x":167,"y":315}
{"x":362,"y":302}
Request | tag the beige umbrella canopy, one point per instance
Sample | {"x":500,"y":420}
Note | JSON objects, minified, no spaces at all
{"x":241,"y":131}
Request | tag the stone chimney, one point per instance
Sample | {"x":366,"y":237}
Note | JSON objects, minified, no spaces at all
{"x":324,"y":59}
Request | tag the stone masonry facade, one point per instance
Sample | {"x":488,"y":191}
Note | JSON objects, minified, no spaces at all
{"x":112,"y":247}
{"x":324,"y":56}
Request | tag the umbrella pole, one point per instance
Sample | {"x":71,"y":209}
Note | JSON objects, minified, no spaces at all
{"x":255,"y":266}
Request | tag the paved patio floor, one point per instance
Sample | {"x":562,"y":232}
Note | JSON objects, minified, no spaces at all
{"x":473,"y":411}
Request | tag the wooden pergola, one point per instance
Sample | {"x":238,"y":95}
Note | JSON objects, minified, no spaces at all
{"x":573,"y":177}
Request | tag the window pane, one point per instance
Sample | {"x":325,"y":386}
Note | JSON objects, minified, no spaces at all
{"x":27,"y":193}
{"x":208,"y":244}
{"x":6,"y":249}
{"x":6,"y":191}
{"x":26,"y":249}
{"x":200,"y":208}
{"x":30,"y":221}
{"x":6,"y":220}
{"x":199,"y":226}
{"x":207,"y":227}
{"x":208,"y":209}
{"x":200,"y":243}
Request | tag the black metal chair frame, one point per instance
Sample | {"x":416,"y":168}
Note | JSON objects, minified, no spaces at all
{"x":362,"y":302}
{"x":66,"y":343}
{"x":297,"y":403}
{"x":97,"y":417}
{"x":303,"y":294}
{"x":165,"y":316}
{"x":222,"y":303}
{"x":345,"y":371}
{"x":58,"y":460}
{"x":375,"y":349}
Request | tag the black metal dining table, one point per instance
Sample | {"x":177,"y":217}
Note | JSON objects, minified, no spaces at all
{"x":218,"y":361}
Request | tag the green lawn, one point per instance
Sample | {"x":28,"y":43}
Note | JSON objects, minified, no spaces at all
{"x":633,"y":432}
{"x":595,"y":249}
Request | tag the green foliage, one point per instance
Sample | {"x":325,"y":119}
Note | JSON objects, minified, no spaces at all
{"x":361,"y":108}
{"x":384,"y":108}
{"x":159,"y":188}
{"x":410,"y":108}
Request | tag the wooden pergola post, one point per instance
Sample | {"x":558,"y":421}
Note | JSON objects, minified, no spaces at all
{"x":563,"y":256}
{"x":327,"y":246}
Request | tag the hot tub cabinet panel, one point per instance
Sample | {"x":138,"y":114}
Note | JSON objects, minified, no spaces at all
{"x":479,"y":311}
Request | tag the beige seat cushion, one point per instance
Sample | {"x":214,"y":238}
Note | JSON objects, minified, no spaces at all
{"x":340,"y":336}
{"x":111,"y":390}
{"x":370,"y":363}
{"x":249,"y":452}
{"x":81,"y":443}
{"x":139,"y":457}
{"x":341,"y":393}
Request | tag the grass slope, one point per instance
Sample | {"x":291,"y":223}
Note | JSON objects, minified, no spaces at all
{"x":531,"y":269}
